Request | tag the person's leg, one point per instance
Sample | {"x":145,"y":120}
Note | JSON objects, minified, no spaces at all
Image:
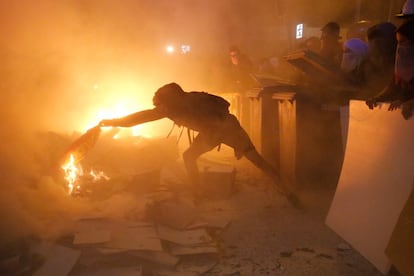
{"x":199,"y":146}
{"x":253,"y":156}
{"x":237,"y":138}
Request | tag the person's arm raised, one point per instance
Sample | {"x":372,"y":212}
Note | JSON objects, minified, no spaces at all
{"x":133,"y":119}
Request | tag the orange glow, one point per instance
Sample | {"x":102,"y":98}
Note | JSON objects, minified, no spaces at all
{"x":118,"y":97}
{"x":98,"y":175}
{"x":170,"y":49}
{"x":72,"y":172}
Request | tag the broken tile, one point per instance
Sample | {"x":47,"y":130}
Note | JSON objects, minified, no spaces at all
{"x":92,"y":236}
{"x":174,"y":212}
{"x":91,"y":231}
{"x":184,"y":237}
{"x":59,"y":260}
{"x":134,"y":238}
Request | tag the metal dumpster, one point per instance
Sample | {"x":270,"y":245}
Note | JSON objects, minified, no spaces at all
{"x":272,"y":112}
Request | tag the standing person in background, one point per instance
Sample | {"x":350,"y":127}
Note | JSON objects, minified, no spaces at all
{"x":331,"y":47}
{"x":379,"y":69}
{"x":400,"y":92}
{"x":354,"y":57}
{"x":400,"y":248}
{"x":240,"y":70}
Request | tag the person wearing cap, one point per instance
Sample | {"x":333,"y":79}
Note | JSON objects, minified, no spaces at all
{"x":400,"y":92}
{"x":382,"y":45}
{"x":331,"y":47}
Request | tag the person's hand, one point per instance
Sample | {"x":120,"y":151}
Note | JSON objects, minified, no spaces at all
{"x":371,"y":103}
{"x":394,"y":105}
{"x":107,"y":123}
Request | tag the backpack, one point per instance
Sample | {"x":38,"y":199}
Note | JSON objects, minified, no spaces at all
{"x":209,"y":105}
{"x":199,"y":107}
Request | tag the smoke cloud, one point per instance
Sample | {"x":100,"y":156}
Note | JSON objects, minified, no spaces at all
{"x":65,"y":63}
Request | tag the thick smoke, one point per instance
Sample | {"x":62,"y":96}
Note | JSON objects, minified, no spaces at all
{"x":65,"y":61}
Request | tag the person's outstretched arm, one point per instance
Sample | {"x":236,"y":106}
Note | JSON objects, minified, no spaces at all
{"x":133,"y":119}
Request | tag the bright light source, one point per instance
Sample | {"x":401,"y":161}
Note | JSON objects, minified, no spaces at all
{"x":185,"y":49}
{"x":299,"y":31}
{"x":170,"y":49}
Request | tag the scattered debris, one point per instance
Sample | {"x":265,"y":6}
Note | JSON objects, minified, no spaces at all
{"x":59,"y":260}
{"x":172,"y":237}
{"x":134,"y":238}
{"x":217,"y":181}
{"x":91,"y":231}
{"x":178,"y":213}
{"x":186,"y":237}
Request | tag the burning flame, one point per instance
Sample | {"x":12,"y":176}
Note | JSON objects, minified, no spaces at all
{"x":125,"y":103}
{"x":73,"y":173}
{"x":98,"y":175}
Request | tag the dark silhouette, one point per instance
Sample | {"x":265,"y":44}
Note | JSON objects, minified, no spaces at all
{"x":331,"y":48}
{"x":240,"y":70}
{"x":400,"y":91}
{"x":208,"y":115}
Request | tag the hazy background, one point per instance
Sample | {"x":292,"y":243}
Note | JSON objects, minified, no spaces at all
{"x":64,"y":62}
{"x":67,"y":64}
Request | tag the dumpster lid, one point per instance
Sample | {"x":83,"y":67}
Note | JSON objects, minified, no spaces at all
{"x":272,"y":90}
{"x":314,"y":65}
{"x":266,"y":81}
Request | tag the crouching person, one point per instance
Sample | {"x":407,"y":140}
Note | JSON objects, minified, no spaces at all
{"x":209,"y":116}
